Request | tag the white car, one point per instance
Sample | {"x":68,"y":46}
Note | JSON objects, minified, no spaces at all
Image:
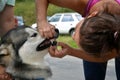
{"x":64,"y":22}
{"x":20,"y":20}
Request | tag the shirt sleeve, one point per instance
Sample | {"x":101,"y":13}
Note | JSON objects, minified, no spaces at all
{"x":11,"y":2}
{"x":4,"y":2}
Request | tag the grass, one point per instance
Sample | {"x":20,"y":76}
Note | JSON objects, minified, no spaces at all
{"x":26,"y":8}
{"x":67,"y":39}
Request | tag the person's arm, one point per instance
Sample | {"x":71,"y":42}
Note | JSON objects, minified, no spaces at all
{"x":76,"y":5}
{"x":7,"y":21}
{"x":45,"y":29}
{"x":67,"y":50}
{"x":83,"y":55}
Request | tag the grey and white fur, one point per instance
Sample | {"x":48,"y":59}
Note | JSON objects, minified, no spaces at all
{"x":22,"y":52}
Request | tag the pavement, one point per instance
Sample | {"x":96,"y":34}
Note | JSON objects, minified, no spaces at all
{"x":71,"y":68}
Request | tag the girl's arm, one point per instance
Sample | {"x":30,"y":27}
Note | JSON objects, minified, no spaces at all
{"x":67,"y":50}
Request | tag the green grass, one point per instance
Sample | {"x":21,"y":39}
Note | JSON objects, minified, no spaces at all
{"x":67,"y":39}
{"x":55,"y":9}
{"x":26,"y":8}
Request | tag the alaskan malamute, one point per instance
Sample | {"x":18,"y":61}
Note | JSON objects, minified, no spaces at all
{"x":22,"y":52}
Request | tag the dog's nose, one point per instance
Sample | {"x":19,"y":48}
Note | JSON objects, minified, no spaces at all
{"x":53,"y":43}
{"x":56,"y":34}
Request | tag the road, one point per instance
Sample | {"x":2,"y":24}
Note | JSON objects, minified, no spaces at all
{"x":71,"y":68}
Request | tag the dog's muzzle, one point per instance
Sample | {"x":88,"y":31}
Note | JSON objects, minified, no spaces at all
{"x":48,"y":42}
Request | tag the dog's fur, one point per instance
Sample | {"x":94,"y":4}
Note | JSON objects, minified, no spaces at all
{"x":22,"y":52}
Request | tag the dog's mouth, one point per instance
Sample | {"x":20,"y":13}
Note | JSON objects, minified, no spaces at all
{"x":45,"y":44}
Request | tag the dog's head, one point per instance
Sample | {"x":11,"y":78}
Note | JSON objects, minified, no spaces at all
{"x":23,"y":46}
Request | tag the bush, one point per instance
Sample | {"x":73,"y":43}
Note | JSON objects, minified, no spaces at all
{"x":52,"y":9}
{"x":22,"y":0}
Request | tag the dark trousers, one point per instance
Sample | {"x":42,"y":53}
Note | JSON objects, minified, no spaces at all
{"x":28,"y":79}
{"x":97,"y":71}
{"x":40,"y":79}
{"x":117,"y":68}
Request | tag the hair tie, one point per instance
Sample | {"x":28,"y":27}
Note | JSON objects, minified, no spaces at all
{"x":116,"y":35}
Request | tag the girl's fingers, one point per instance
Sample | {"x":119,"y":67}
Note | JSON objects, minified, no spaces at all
{"x":5,"y":76}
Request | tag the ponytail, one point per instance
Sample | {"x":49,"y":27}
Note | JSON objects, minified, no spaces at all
{"x":100,"y":34}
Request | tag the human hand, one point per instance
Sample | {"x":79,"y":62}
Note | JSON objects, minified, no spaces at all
{"x":55,"y":52}
{"x":46,"y":29}
{"x":4,"y":75}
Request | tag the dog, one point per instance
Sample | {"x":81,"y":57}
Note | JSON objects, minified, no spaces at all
{"x":22,"y":52}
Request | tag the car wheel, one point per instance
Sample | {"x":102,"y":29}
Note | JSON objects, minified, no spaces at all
{"x":71,"y":32}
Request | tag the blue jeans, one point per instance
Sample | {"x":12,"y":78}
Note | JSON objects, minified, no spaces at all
{"x":97,"y":71}
{"x":40,"y":79}
{"x":31,"y":79}
{"x":117,"y":68}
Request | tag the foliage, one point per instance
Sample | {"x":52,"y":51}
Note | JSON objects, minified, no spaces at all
{"x":52,"y":9}
{"x":22,"y":0}
{"x":26,"y":8}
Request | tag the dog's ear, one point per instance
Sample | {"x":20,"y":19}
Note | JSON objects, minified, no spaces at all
{"x":3,"y":50}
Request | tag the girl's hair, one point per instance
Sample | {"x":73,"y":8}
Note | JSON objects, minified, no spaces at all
{"x":100,"y":34}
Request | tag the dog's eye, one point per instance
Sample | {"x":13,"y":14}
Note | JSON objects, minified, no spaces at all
{"x":34,"y":35}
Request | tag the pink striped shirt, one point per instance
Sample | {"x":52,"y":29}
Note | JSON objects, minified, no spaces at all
{"x":91,"y":3}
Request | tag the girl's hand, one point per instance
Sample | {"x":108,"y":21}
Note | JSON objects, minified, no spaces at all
{"x":55,"y":52}
{"x":5,"y":76}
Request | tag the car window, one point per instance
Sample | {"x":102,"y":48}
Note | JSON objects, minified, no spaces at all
{"x":67,"y":18}
{"x":55,"y":18}
{"x":78,"y":17}
{"x":20,"y":19}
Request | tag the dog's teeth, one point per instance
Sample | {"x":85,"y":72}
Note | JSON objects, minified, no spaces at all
{"x":54,"y":43}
